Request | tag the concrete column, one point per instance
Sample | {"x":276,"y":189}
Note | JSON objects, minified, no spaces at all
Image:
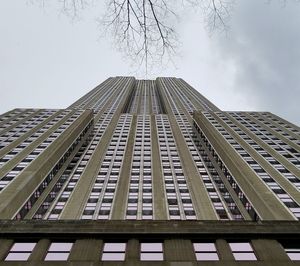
{"x":224,"y":250}
{"x":159,"y":197}
{"x":121,"y":195}
{"x":86,"y":249}
{"x":179,"y":250}
{"x":5,"y":245}
{"x":40,"y":250}
{"x":132,"y":250}
{"x":269,"y":249}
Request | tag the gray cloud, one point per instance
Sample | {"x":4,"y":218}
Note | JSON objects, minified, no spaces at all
{"x":46,"y":60}
{"x":263,"y":46}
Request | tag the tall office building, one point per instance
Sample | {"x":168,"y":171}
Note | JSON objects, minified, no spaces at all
{"x":143,"y":172}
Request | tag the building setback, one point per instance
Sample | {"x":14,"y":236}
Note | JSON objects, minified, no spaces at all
{"x":148,"y":172}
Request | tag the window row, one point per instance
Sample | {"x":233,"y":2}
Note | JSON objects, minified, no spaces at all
{"x":148,"y":251}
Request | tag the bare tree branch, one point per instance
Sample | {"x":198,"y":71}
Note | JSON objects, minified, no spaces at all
{"x":144,"y":30}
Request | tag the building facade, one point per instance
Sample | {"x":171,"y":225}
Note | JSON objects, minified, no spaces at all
{"x":143,"y":172}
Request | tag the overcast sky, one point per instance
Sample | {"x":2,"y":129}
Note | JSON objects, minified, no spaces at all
{"x":48,"y":61}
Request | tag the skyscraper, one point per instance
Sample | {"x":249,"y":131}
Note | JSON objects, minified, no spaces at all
{"x":143,"y":170}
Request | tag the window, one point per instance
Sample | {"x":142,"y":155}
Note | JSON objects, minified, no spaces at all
{"x":59,"y":251}
{"x":20,"y":251}
{"x":293,"y":251}
{"x":205,"y":251}
{"x":242,"y":251}
{"x":152,"y":251}
{"x":114,"y":251}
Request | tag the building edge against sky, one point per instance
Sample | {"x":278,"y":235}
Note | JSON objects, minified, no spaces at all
{"x":149,"y":156}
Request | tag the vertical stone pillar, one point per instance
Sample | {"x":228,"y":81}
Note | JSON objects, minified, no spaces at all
{"x":40,"y":250}
{"x":179,"y":250}
{"x":86,"y":249}
{"x":269,"y":249}
{"x":132,"y":251}
{"x":224,"y":250}
{"x":5,"y":245}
